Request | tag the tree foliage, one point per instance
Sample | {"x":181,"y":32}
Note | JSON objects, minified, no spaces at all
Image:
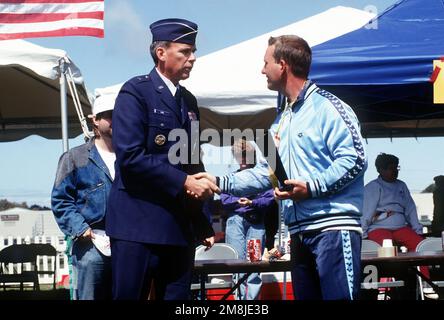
{"x":431,"y":187}
{"x":6,"y":204}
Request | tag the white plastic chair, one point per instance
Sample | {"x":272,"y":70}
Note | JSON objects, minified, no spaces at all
{"x":219,"y":251}
{"x":370,"y":246}
{"x":429,"y":244}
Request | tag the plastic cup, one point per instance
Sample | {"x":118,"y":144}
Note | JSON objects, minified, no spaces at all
{"x":387,"y":243}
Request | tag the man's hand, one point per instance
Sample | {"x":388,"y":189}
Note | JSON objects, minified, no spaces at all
{"x":381,"y":215}
{"x":297,"y":193}
{"x":200,"y":188}
{"x":206,"y":175}
{"x":208,"y":243}
{"x":244,"y":202}
{"x":88,"y":234}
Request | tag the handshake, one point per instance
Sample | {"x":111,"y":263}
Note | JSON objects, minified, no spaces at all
{"x":201,"y":185}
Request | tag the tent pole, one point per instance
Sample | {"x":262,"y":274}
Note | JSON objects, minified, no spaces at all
{"x":64,"y":119}
{"x":63,"y":105}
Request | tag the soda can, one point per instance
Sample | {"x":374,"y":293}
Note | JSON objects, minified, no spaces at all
{"x":285,"y":245}
{"x":250,"y":249}
{"x":254,"y":250}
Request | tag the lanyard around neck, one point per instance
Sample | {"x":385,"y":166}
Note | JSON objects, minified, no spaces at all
{"x":286,"y":112}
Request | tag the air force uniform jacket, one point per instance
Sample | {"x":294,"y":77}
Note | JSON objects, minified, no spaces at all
{"x":147,"y":201}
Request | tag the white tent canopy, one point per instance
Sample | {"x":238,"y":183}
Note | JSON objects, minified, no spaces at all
{"x":228,"y":84}
{"x":30,"y":101}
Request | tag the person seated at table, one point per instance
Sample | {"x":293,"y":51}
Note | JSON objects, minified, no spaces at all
{"x":438,"y":207}
{"x":389,"y":210}
{"x":246,"y":219}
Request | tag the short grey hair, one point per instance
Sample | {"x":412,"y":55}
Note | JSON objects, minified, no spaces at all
{"x":154,"y":46}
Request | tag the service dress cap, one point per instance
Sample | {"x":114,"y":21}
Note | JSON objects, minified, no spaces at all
{"x":174,"y":30}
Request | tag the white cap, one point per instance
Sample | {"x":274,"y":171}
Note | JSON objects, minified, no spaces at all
{"x":103,"y":103}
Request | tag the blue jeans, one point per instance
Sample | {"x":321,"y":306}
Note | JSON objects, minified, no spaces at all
{"x":237,"y":233}
{"x":91,"y":272}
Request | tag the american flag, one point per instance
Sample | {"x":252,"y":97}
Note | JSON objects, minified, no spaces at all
{"x":50,"y":18}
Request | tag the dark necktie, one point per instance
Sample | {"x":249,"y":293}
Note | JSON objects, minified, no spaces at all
{"x":180,"y":104}
{"x":178,"y":96}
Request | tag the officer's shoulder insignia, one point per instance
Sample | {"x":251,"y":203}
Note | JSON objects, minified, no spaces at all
{"x":160,"y":140}
{"x":143,"y":78}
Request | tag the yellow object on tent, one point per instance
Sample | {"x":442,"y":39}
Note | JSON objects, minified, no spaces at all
{"x":438,"y":84}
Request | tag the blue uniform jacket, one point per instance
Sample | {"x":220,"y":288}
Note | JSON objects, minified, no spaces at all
{"x":147,"y":202}
{"x":80,"y":191}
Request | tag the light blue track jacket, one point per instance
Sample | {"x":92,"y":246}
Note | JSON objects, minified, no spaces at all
{"x":320,"y":143}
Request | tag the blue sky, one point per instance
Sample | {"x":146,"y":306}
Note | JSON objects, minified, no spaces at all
{"x":27,"y":167}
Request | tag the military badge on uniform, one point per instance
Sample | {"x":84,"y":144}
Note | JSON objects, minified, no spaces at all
{"x":160,"y":139}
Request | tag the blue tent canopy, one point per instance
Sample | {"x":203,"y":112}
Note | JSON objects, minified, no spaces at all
{"x":383,"y":69}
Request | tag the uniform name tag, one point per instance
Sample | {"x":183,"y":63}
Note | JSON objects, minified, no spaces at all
{"x":162,"y":112}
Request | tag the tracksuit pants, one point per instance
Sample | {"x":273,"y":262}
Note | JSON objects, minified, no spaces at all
{"x":326,"y":265}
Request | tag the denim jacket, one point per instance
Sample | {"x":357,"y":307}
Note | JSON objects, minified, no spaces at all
{"x":81,"y":190}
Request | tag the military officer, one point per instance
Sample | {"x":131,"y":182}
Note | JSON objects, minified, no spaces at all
{"x":152,"y":220}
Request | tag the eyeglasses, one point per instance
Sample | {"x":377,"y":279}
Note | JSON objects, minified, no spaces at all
{"x":393,"y":168}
